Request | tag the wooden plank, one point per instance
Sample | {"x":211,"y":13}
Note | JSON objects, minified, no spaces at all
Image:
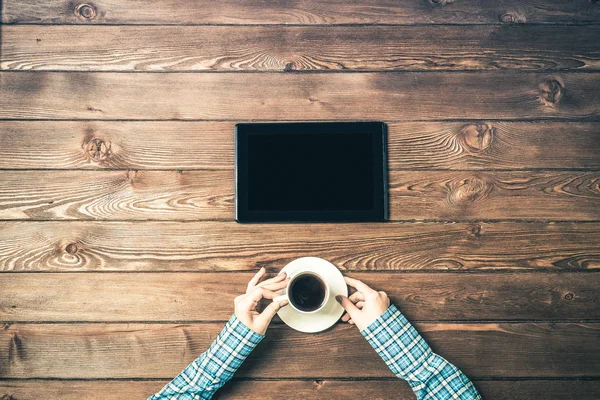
{"x":260,"y":48}
{"x":306,"y":12}
{"x":163,"y":350}
{"x":494,"y":195}
{"x":208,"y":195}
{"x":226,"y":246}
{"x":209,"y":145}
{"x":209,"y":297}
{"x":157,"y":195}
{"x":294,"y":389}
{"x":392,"y":96}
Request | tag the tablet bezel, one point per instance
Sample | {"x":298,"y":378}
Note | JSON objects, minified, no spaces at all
{"x":378,"y":132}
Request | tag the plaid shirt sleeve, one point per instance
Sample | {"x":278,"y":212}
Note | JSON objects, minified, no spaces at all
{"x":409,"y":357}
{"x":206,"y":374}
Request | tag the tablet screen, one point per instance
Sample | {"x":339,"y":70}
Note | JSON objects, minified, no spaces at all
{"x":310,"y":172}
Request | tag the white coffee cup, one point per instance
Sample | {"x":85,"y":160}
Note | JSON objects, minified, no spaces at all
{"x":290,"y":284}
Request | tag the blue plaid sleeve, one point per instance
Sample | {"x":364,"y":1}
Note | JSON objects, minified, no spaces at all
{"x":409,"y":357}
{"x":206,"y":374}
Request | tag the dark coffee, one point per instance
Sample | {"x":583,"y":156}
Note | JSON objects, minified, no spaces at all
{"x":307,"y":292}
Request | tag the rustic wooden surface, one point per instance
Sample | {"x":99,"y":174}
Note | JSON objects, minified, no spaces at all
{"x":294,"y":389}
{"x":307,"y":96}
{"x":481,"y":349}
{"x":161,"y":145}
{"x":207,"y":194}
{"x":119,"y":256}
{"x":118,"y":297}
{"x":79,"y":246}
{"x":252,"y":48}
{"x":308,"y":12}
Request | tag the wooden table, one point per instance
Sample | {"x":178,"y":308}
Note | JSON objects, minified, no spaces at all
{"x":119,"y":254}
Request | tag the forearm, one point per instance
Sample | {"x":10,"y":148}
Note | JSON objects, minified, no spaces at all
{"x":213,"y":368}
{"x":409,"y":357}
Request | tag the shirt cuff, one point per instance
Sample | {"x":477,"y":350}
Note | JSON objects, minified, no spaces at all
{"x":238,"y":337}
{"x":207,"y":373}
{"x":380,"y":323}
{"x":228,"y":351}
{"x":397,"y":342}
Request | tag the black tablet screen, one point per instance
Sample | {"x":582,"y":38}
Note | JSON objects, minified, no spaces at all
{"x":310,"y":171}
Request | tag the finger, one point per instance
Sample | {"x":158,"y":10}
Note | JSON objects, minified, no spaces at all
{"x":357,"y":296}
{"x":351,"y":322}
{"x":255,"y":279}
{"x":347,"y":304}
{"x":281,"y":277}
{"x":269,"y":312}
{"x":360,"y":305}
{"x":345,"y":317}
{"x":259,"y":293}
{"x":275,"y":286}
{"x":358,"y":285}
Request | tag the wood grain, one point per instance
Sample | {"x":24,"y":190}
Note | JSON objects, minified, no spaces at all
{"x":142,"y":195}
{"x":227,"y":246}
{"x":259,"y":48}
{"x":306,"y":12}
{"x":243,"y":96}
{"x":209,"y":297}
{"x":209,"y":145}
{"x":163,"y":350}
{"x":491,"y":195}
{"x":208,"y":195}
{"x":293,"y":389}
{"x":116,"y":182}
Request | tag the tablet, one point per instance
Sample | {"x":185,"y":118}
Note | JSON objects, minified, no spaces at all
{"x":311,"y":172}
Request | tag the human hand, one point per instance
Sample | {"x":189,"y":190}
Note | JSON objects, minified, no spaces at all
{"x":364,"y":306}
{"x":245,"y":304}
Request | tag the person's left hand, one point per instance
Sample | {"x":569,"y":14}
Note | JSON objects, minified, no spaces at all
{"x":245,"y":305}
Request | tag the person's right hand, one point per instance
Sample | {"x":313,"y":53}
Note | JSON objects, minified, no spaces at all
{"x":245,"y":305}
{"x":364,"y":306}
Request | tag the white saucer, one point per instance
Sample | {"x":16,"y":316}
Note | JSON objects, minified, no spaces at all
{"x":331,"y":312}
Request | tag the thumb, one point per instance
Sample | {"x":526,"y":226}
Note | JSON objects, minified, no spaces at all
{"x":348,"y":305}
{"x":269,"y":312}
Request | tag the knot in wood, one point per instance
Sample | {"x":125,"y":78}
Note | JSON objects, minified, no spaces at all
{"x":290,"y":66}
{"x":468,"y":190}
{"x":97,"y":149}
{"x":441,"y":2}
{"x":551,"y":90}
{"x":569,"y":296}
{"x":318,"y":382}
{"x":508,"y":18}
{"x":86,"y":11}
{"x":476,"y":230}
{"x":132,"y":175}
{"x":476,"y":138}
{"x":72,"y":248}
